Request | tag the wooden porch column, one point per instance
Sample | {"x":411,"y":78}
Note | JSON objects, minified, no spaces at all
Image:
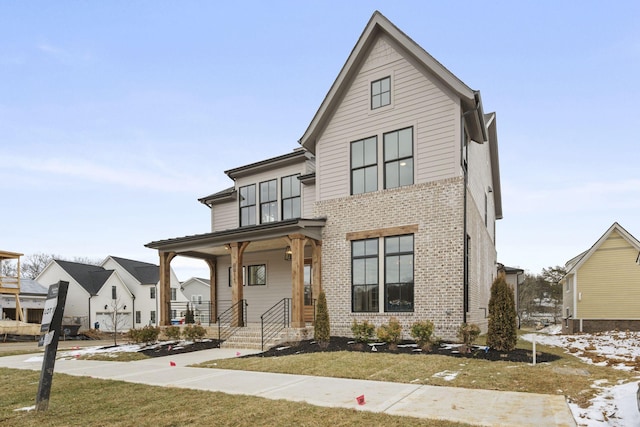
{"x":165,"y":288}
{"x":316,"y":268}
{"x":237,"y":295}
{"x":213,"y":290}
{"x":297,"y":280}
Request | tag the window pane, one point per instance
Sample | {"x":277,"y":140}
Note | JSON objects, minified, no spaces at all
{"x":392,"y":269}
{"x":370,"y":156}
{"x":371,"y":179}
{"x":359,"y":275}
{"x":371,"y":246}
{"x":357,"y":154}
{"x":357,"y":181}
{"x":392,"y":245}
{"x":406,"y":243}
{"x":391,"y":146}
{"x":405,"y":140}
{"x":400,"y":297}
{"x":392,"y":175}
{"x":385,"y":84}
{"x":286,"y":187}
{"x":371,"y":273}
{"x":406,"y":172}
{"x":358,"y":248}
{"x":296,"y":208}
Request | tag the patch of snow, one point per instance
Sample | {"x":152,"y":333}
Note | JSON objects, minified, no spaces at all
{"x":283,"y":348}
{"x":26,"y":408}
{"x":407,"y":345}
{"x":446,"y":375}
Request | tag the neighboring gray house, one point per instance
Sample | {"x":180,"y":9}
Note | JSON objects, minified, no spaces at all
{"x":32,"y":297}
{"x":388,"y":205}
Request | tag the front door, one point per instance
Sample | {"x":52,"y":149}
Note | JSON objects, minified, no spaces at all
{"x":309,"y":302}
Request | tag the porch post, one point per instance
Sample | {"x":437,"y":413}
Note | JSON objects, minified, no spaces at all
{"x":165,"y":288}
{"x":297,"y":281}
{"x":237,"y":249}
{"x":316,"y":267}
{"x":213,"y":288}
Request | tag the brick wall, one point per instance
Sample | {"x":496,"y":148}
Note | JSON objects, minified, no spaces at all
{"x":436,"y":207}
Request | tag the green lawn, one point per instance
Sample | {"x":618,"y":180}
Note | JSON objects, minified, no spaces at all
{"x":81,"y":401}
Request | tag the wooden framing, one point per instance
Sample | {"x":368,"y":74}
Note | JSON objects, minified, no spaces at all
{"x":165,"y":288}
{"x":10,"y":285}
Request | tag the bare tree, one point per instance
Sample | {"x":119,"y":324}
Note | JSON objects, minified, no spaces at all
{"x":116,"y":320}
{"x":32,"y":265}
{"x":8,"y":268}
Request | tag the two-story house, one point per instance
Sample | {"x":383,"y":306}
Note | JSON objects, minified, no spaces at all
{"x":389,"y":205}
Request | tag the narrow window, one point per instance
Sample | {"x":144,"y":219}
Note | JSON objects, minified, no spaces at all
{"x":364,"y":275}
{"x":152,"y":317}
{"x":138,"y":317}
{"x":257,"y":275}
{"x":196,"y":299}
{"x":380,"y":93}
{"x":173,"y":294}
{"x":174,"y":314}
{"x":398,"y":158}
{"x":268,"y":201}
{"x":114,"y":295}
{"x":152,"y":292}
{"x":364,"y":165}
{"x":248,"y":205}
{"x":291,"y":197}
{"x":398,"y":273}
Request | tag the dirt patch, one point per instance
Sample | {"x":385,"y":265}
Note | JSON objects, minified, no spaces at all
{"x":407,"y":347}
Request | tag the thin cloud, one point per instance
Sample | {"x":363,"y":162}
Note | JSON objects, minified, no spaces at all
{"x":81,"y":169}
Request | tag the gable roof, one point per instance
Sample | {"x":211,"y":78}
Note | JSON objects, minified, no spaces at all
{"x":90,"y":277}
{"x":191,"y":280}
{"x":576,"y":262}
{"x":377,"y":25}
{"x":144,"y":272}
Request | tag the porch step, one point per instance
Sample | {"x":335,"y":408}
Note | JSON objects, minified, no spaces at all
{"x":250,"y":337}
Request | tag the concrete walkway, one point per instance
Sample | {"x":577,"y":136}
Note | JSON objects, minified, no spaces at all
{"x":480,"y":407}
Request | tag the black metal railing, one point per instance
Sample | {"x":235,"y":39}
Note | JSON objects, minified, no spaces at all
{"x":185,"y":312}
{"x":274,"y":320}
{"x":232,"y":319}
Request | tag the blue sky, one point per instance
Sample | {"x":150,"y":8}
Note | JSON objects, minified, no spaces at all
{"x":116,"y":116}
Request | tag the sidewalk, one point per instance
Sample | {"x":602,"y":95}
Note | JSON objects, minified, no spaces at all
{"x":481,"y":407}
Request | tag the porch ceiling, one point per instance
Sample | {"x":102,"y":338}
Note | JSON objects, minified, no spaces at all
{"x":262,"y":237}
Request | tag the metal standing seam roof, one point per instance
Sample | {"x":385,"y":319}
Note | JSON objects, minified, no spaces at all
{"x":145,"y":272}
{"x":90,"y":277}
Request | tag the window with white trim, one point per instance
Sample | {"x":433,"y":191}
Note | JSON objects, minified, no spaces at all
{"x":398,"y":158}
{"x":364,"y":165}
{"x":380,"y":92}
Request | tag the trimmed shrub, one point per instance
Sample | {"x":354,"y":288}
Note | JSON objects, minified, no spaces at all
{"x":468,"y":333}
{"x":422,"y":332}
{"x":363,"y":332}
{"x":390,"y":333}
{"x":322,"y":328}
{"x":194,"y":332}
{"x":148,"y":335}
{"x":502,"y":333}
{"x":172,"y":332}
{"x":188,"y":316}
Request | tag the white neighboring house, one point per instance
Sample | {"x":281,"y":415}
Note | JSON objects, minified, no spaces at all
{"x":197,"y":291}
{"x":93,"y":295}
{"x":142,"y":279}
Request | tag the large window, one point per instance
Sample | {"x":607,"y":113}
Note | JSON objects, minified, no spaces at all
{"x":364,"y":165}
{"x":257,"y":275}
{"x":380,"y":93}
{"x":364,"y":275}
{"x":398,"y":260}
{"x":269,"y":201}
{"x":248,"y":205}
{"x":398,"y":158}
{"x":290,"y":197}
{"x":396,"y":267}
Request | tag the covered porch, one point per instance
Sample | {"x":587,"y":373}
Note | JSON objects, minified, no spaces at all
{"x":282,"y":251}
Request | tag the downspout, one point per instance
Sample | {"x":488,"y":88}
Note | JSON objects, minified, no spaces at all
{"x":89,"y":325}
{"x":465,"y":167}
{"x":133,"y":310}
{"x":157,"y":298}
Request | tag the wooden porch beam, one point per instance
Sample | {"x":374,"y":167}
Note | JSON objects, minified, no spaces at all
{"x":297,"y":280}
{"x":213,"y":289}
{"x":237,"y":291}
{"x":165,"y":288}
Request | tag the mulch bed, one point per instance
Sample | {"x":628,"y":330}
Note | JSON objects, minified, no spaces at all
{"x":406,"y":347}
{"x":348,"y":344}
